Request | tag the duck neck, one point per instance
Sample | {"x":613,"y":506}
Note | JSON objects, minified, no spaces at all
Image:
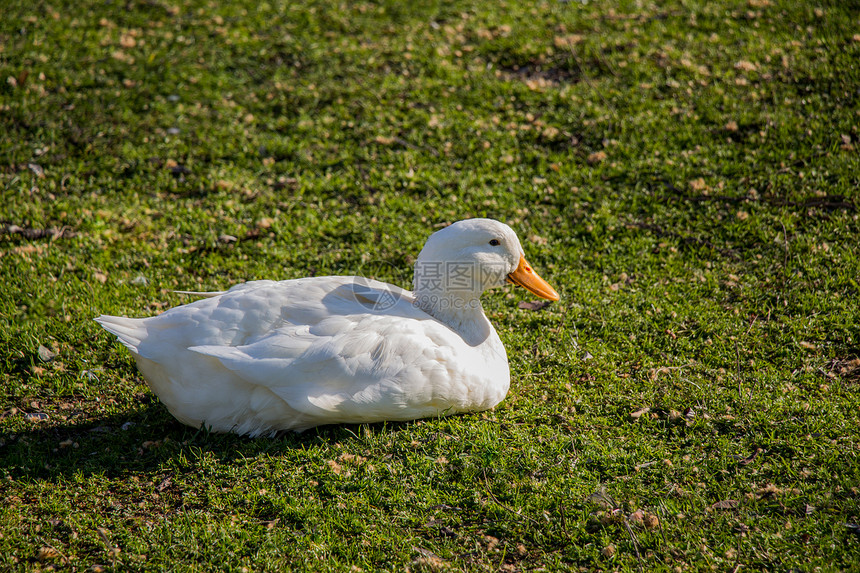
{"x":459,"y":310}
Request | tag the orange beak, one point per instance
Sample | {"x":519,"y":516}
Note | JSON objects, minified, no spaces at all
{"x":525,"y":276}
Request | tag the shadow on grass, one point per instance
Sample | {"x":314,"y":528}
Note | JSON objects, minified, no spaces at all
{"x":144,"y":440}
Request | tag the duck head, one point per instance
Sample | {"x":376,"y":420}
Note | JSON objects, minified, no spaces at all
{"x":461,"y":261}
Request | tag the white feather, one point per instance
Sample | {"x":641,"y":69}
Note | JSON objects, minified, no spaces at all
{"x":266,"y":356}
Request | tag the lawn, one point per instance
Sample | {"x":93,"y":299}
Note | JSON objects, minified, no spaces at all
{"x":685,"y":173}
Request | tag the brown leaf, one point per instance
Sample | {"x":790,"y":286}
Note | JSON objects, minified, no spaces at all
{"x":726,"y":504}
{"x":639,"y":413}
{"x":47,"y":554}
{"x":597,"y":157}
{"x":698,"y":184}
{"x":534,"y":305}
{"x":651,"y":521}
{"x":567,"y":41}
{"x":46,"y":354}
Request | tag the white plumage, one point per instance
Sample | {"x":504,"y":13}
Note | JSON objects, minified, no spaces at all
{"x":266,"y":356}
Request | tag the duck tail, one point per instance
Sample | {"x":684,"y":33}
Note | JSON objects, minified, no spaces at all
{"x":130,"y":331}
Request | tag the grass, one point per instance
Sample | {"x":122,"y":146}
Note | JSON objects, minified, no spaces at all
{"x":685,"y":173}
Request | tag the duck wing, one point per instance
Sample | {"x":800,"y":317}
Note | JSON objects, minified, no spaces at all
{"x":333,"y":348}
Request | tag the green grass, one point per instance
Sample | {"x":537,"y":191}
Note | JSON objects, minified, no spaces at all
{"x":685,"y":173}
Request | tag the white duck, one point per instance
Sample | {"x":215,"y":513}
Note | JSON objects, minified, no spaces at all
{"x":266,"y":356}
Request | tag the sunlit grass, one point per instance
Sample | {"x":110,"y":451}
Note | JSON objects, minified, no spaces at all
{"x":685,"y":174}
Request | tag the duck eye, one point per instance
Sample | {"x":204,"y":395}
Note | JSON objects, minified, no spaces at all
{"x":494,"y":242}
